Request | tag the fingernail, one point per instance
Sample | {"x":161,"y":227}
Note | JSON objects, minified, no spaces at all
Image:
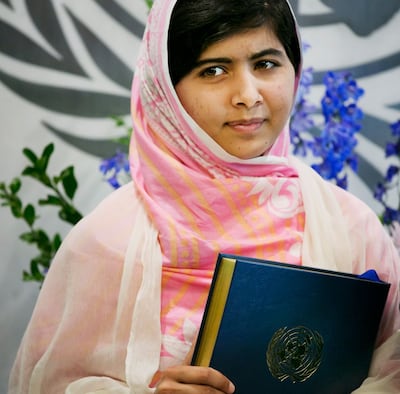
{"x":156,"y":378}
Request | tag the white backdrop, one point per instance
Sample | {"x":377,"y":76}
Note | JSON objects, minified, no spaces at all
{"x":66,"y":64}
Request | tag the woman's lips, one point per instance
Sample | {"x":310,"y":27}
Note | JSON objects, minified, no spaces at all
{"x":246,"y":125}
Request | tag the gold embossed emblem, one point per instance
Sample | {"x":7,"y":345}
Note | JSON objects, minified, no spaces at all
{"x":294,"y":353}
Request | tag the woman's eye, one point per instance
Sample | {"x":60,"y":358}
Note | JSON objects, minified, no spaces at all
{"x":265,"y":64}
{"x":214,"y":71}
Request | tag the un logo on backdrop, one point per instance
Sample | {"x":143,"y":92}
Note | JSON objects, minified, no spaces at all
{"x":73,"y":59}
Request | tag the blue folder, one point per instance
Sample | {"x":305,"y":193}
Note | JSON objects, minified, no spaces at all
{"x":273,"y":327}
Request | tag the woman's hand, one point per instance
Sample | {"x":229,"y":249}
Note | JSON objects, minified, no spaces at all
{"x":190,"y":379}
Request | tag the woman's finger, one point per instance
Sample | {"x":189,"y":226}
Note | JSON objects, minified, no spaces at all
{"x":184,"y":379}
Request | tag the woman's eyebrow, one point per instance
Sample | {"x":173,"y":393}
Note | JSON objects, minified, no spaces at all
{"x":227,"y":60}
{"x":212,"y":60}
{"x":267,"y":52}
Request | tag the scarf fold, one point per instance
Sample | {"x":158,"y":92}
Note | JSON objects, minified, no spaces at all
{"x":145,"y":338}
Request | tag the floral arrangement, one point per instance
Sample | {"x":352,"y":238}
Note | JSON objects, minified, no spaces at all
{"x":326,"y":134}
{"x":390,"y":187}
{"x":333,"y":139}
{"x":391,"y":181}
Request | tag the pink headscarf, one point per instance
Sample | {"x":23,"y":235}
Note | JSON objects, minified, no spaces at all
{"x":182,"y":173}
{"x":200,"y":199}
{"x":160,"y":121}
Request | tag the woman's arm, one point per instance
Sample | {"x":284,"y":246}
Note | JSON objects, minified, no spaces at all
{"x":74,"y":332}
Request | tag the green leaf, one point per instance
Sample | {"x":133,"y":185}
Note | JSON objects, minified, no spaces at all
{"x":69,"y":181}
{"x":48,"y":150}
{"x":32,"y":172}
{"x":15,"y":185}
{"x":118,"y":120}
{"x":35,"y":271}
{"x":29,"y":214}
{"x":51,"y":200}
{"x":37,"y":174}
{"x":56,"y":242}
{"x":43,"y":240}
{"x":27,"y":277}
{"x":43,"y":162}
{"x":43,"y":259}
{"x":46,"y":181}
{"x":30,"y":155}
{"x":28,"y":237}
{"x":63,"y":215}
{"x":16,"y":208}
{"x":70,"y":214}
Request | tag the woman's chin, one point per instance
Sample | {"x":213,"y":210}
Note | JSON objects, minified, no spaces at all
{"x":249,"y":154}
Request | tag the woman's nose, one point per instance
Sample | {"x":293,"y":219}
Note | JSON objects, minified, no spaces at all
{"x":246,"y":91}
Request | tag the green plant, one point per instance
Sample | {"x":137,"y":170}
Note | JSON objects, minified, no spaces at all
{"x":62,"y":191}
{"x":63,"y":188}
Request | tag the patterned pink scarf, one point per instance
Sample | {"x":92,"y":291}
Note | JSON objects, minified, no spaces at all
{"x":202,"y":200}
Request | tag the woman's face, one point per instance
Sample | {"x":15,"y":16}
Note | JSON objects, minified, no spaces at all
{"x":241,"y":92}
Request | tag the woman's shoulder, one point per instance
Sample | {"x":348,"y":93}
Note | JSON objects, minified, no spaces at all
{"x":120,"y":200}
{"x":351,"y":205}
{"x":110,"y":222}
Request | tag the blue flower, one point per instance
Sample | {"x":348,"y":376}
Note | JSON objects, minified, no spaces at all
{"x":342,"y":182}
{"x":348,"y":88}
{"x":342,"y":120}
{"x":306,"y":81}
{"x":393,"y":148}
{"x":352,"y":115}
{"x":302,"y":117}
{"x":352,"y":162}
{"x":379,"y":191}
{"x":335,"y":143}
{"x":330,"y":104}
{"x":395,"y":128}
{"x":115,"y":169}
{"x":390,"y":215}
{"x":391,"y":172}
{"x":391,"y":180}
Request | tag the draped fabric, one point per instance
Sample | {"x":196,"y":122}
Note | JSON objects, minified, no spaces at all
{"x":125,"y":295}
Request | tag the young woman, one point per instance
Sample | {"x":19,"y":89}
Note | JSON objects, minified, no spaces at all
{"x":122,"y":303}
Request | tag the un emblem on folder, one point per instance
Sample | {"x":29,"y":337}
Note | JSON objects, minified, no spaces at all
{"x":294,"y":353}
